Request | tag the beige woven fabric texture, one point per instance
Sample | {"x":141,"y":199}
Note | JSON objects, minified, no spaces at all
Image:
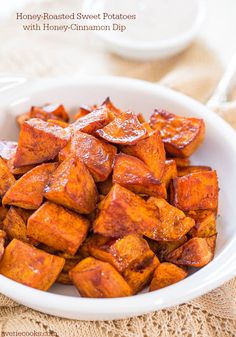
{"x":194,"y":72}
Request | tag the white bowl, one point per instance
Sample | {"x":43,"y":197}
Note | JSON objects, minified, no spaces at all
{"x":218,"y":151}
{"x":183,"y":18}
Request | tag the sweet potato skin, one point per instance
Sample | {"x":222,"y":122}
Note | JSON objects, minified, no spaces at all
{"x":57,"y":227}
{"x":30,"y":266}
{"x":195,"y":191}
{"x":173,"y":224}
{"x":39,"y":141}
{"x":65,"y":187}
{"x":6,"y":178}
{"x":123,"y":212}
{"x":165,"y":275}
{"x":97,"y":155}
{"x":181,"y":135}
{"x":205,"y":223}
{"x":27,"y":192}
{"x":151,"y":151}
{"x":133,"y":174}
{"x":197,"y":252}
{"x":97,"y":279}
{"x":125,"y":128}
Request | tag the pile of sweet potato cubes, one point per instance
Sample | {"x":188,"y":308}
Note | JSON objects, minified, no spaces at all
{"x":109,"y":203}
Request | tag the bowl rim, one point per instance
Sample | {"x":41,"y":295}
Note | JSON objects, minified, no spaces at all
{"x":161,"y":45}
{"x":218,"y":271}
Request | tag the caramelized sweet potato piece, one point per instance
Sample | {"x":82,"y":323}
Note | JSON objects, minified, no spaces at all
{"x":123,"y":129}
{"x":167,"y":274}
{"x":105,"y":186}
{"x":57,"y":227}
{"x":197,"y":252}
{"x":173,"y":222}
{"x":30,"y":266}
{"x":58,"y":123}
{"x":181,"y":135}
{"x":84,"y":110}
{"x":2,"y":243}
{"x":170,"y":172}
{"x":6,"y":178}
{"x":205,"y":223}
{"x":151,"y":151}
{"x":15,"y":225}
{"x":165,"y":247}
{"x":49,"y":111}
{"x":97,"y":155}
{"x":39,"y":141}
{"x":72,"y":186}
{"x":93,"y":121}
{"x":123,"y":212}
{"x":121,"y":253}
{"x":113,"y":110}
{"x":18,"y":171}
{"x":97,"y":279}
{"x":195,"y":191}
{"x":183,"y":171}
{"x":139,"y":274}
{"x":27,"y":192}
{"x":133,"y":174}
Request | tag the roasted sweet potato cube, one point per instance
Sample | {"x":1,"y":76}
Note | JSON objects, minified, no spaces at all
{"x":7,"y":149}
{"x":72,"y":186}
{"x":165,"y":275}
{"x":84,"y":110}
{"x":30,"y":266}
{"x":139,"y":274}
{"x":181,"y":135}
{"x":170,"y":172}
{"x":49,"y":111}
{"x":58,"y":227}
{"x":133,"y":174}
{"x":195,"y":191}
{"x":93,"y":121}
{"x":151,"y":151}
{"x":163,"y":248}
{"x":39,"y":141}
{"x":123,"y":129}
{"x":205,"y":223}
{"x":58,"y":123}
{"x":123,"y":212}
{"x":94,"y":278}
{"x":181,"y":162}
{"x":173,"y":224}
{"x":113,"y":110}
{"x":183,"y":171}
{"x":197,"y":252}
{"x":6,"y":178}
{"x":27,"y":192}
{"x":2,"y":243}
{"x":15,"y":225}
{"x":97,"y":155}
{"x":121,"y":253}
{"x":105,"y":186}
{"x":18,"y":171}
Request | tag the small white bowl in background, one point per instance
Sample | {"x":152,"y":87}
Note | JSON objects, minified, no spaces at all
{"x":162,"y":28}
